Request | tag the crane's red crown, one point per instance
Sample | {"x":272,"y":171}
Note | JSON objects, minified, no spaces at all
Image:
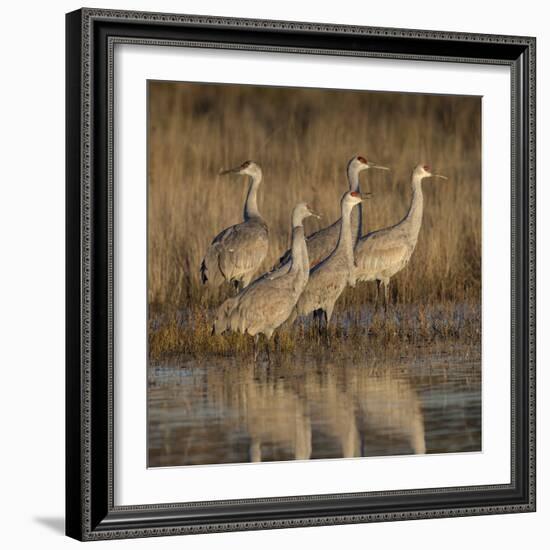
{"x":427,"y":167}
{"x":362,"y":160}
{"x":355,"y":194}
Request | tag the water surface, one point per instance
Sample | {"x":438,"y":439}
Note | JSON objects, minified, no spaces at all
{"x":228,"y":411}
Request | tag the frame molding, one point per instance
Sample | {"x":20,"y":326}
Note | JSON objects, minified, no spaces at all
{"x":90,"y":38}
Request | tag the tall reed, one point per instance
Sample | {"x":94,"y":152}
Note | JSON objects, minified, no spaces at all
{"x":303,"y":139}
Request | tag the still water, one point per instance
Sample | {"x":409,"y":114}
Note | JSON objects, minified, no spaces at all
{"x":227,"y":411}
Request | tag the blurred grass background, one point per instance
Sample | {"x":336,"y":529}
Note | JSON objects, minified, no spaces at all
{"x":303,"y":139}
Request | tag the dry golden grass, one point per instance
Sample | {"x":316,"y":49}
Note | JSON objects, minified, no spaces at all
{"x":303,"y":138}
{"x":354,"y":333}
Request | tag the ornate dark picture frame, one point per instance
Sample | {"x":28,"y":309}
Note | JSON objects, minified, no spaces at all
{"x":90,"y":510}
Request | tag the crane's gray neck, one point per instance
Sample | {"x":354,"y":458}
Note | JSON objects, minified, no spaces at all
{"x":345,"y":240}
{"x":414,"y":215}
{"x":353,"y":177}
{"x":300,"y":260}
{"x":297,"y":219}
{"x":356,"y":223}
{"x":251,"y":204}
{"x":356,"y":213}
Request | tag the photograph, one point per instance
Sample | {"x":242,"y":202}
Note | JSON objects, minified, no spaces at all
{"x":300,"y":272}
{"x":314,"y":261}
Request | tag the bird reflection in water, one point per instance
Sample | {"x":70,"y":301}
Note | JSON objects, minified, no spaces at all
{"x":229,"y":412}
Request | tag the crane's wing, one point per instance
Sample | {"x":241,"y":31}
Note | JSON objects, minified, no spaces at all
{"x":319,"y":245}
{"x":380,"y":251}
{"x":210,"y":269}
{"x":242,"y":249}
{"x":265,"y":305}
{"x":322,"y":243}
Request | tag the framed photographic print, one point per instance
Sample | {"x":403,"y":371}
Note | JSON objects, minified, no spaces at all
{"x":300,"y":274}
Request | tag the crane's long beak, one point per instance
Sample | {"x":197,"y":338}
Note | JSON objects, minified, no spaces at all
{"x":440,"y":176}
{"x":235,"y":170}
{"x":378,"y":166}
{"x":315,"y":214}
{"x":366,"y":195}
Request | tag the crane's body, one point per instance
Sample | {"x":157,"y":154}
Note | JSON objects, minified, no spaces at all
{"x":268,"y":302}
{"x":321,"y":243}
{"x":328,"y":279}
{"x":382,"y":254}
{"x":236,"y":253}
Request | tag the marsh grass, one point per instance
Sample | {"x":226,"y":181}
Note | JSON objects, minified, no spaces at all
{"x":355,"y":332}
{"x":303,"y":139}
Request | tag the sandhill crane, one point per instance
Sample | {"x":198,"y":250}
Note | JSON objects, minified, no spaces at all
{"x":387,"y":405}
{"x":264,"y":405}
{"x":267,"y":303}
{"x":238,"y":251}
{"x":383,"y":253}
{"x":328,"y":279}
{"x":331,"y":401}
{"x":275,"y":413}
{"x":321,"y":243}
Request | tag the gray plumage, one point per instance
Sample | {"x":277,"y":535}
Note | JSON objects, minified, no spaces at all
{"x":321,"y":243}
{"x":328,"y":279}
{"x":267,"y":303}
{"x":236,"y":253}
{"x":382,"y":254}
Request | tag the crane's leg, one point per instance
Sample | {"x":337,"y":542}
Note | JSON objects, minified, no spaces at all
{"x":328,"y":314}
{"x":256,"y":338}
{"x":318,"y":316}
{"x":386,"y":295}
{"x":325,"y":323}
{"x":277,"y":342}
{"x":376,"y":302}
{"x":267,"y":348}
